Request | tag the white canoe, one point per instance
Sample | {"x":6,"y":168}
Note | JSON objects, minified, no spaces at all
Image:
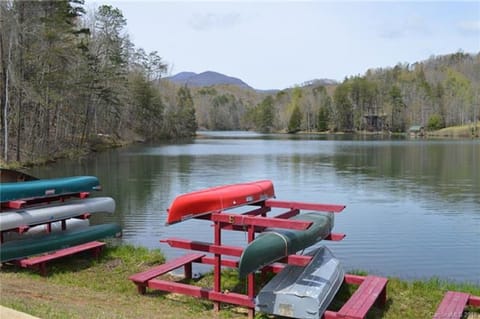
{"x":56,"y":227}
{"x":51,"y":213}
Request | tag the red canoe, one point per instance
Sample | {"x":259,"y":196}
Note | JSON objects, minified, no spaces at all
{"x":218,"y":198}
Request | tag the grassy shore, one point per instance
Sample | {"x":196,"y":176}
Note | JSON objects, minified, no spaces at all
{"x":461,"y":131}
{"x":78,"y":287}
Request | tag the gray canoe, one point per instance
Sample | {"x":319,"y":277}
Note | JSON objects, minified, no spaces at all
{"x":42,"y":214}
{"x":40,"y":230}
{"x":303,"y":292}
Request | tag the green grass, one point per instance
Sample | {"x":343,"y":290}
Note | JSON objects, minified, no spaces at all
{"x":461,"y":131}
{"x":79,"y":287}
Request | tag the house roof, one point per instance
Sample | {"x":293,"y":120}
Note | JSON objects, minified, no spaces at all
{"x":415,"y":128}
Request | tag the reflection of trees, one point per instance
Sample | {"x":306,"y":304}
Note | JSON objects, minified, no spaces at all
{"x":447,"y":168}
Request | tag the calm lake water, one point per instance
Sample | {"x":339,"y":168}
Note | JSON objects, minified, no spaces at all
{"x":413,"y":206}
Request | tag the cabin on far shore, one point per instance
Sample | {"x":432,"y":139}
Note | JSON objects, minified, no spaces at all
{"x":416,"y":131}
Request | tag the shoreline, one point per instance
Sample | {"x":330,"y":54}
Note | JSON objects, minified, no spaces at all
{"x":77,"y":281}
{"x":108,"y":142}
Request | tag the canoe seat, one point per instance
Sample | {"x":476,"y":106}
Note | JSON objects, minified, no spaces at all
{"x":453,"y":304}
{"x":373,"y":288}
{"x":141,"y":279}
{"x":41,"y":261}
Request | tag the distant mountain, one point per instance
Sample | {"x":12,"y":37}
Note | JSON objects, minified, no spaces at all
{"x":207,"y":78}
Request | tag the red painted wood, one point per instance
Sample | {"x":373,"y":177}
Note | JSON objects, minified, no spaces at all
{"x":452,"y":305}
{"x":225,"y":262}
{"x":41,"y":261}
{"x":200,"y":292}
{"x":258,"y":211}
{"x":363,"y":298}
{"x":329,"y":315}
{"x":17,"y":204}
{"x":61,"y":253}
{"x":474,"y":301}
{"x":335,"y":236}
{"x":217,"y":267}
{"x":238,"y":219}
{"x":14,"y":204}
{"x":203,"y":246}
{"x":354,"y":279}
{"x":302,"y":205}
{"x":297,"y":260}
{"x":289,"y":214}
{"x":143,"y":277}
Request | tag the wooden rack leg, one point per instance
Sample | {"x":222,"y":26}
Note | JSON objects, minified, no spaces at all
{"x":217,"y":284}
{"x":251,"y":277}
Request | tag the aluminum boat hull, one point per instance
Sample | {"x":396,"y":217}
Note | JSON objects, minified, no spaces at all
{"x":303,"y":292}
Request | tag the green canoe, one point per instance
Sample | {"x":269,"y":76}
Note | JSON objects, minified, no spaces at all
{"x":275,"y":243}
{"x":41,"y":244}
{"x":47,"y":187}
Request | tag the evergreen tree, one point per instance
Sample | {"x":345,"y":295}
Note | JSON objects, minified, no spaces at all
{"x":295,"y":120}
{"x":398,"y":110}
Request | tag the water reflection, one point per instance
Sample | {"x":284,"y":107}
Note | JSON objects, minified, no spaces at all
{"x":412,"y":205}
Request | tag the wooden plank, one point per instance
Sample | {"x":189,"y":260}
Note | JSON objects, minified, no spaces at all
{"x":474,"y":301}
{"x":273,"y":203}
{"x":17,"y":204}
{"x":203,"y":246}
{"x":335,"y":236}
{"x":363,"y":298}
{"x":14,"y":204}
{"x":452,"y":305}
{"x":143,"y":277}
{"x":225,"y":262}
{"x":200,"y":292}
{"x":239,"y":219}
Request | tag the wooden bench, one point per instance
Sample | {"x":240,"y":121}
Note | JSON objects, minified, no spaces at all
{"x":41,"y":261}
{"x":141,"y":279}
{"x":453,"y":305}
{"x":370,"y":290}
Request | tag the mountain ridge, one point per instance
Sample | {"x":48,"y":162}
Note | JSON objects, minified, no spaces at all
{"x":211,"y":78}
{"x":207,"y":78}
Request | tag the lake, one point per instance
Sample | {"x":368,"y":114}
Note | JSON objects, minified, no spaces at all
{"x":412,"y":205}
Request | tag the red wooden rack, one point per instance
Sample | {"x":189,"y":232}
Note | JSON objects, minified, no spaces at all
{"x":253,"y":221}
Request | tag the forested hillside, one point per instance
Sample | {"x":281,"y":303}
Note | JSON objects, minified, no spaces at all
{"x":436,"y":93}
{"x":71,"y":80}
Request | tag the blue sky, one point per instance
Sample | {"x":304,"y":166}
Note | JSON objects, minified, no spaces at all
{"x":277,"y":44}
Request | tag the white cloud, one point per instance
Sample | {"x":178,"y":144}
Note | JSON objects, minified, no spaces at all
{"x":413,"y":25}
{"x":469,"y":27}
{"x":209,"y":21}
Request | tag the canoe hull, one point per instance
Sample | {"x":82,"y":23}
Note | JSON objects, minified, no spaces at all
{"x":218,"y":198}
{"x":50,"y":213}
{"x":303,"y":292}
{"x":40,"y":230}
{"x":47,"y":187}
{"x":18,"y":249}
{"x":274,"y":243}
